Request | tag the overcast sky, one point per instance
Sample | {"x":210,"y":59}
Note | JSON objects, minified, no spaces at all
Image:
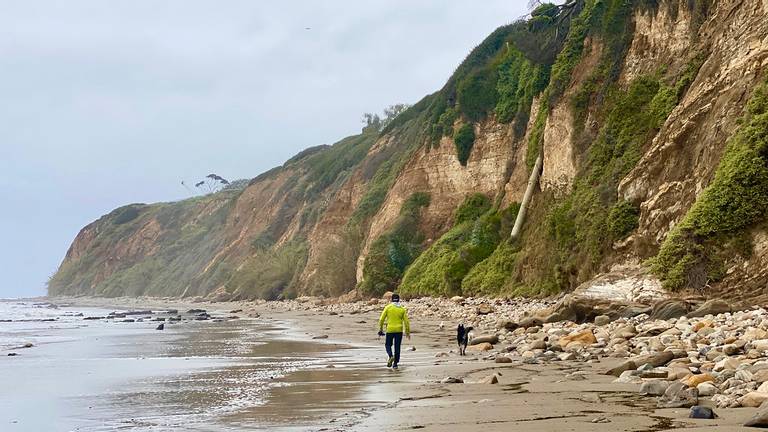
{"x":105,"y":103}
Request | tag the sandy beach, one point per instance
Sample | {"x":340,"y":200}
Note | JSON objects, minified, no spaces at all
{"x":354,"y":391}
{"x":570,"y":396}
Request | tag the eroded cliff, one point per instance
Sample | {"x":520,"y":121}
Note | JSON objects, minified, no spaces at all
{"x":642,"y":111}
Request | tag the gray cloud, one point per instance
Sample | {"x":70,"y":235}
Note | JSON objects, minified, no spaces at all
{"x":106,"y":103}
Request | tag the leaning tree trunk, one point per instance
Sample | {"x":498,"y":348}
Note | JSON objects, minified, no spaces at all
{"x":532,"y":181}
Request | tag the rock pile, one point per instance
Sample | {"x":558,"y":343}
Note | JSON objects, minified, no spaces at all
{"x":680,"y":359}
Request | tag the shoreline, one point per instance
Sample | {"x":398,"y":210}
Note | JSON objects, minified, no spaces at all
{"x":535,"y":395}
{"x":193,"y":370}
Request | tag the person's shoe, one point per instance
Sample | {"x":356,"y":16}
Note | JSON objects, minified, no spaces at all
{"x":390,"y":361}
{"x":394,"y":366}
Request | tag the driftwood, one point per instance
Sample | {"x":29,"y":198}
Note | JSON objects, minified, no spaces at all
{"x":532,"y":181}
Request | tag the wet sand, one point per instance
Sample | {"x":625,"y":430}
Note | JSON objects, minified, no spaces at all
{"x":244,"y":374}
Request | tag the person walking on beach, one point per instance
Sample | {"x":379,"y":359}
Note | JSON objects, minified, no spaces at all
{"x":396,"y":317}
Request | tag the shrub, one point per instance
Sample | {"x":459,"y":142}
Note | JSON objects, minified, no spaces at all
{"x":443,"y":267}
{"x":464,"y":139}
{"x":545,"y":9}
{"x":736,"y":199}
{"x":393,"y":251}
{"x":476,"y":94}
{"x":622,"y":219}
{"x":128,"y":214}
{"x":474,"y":206}
{"x":270,"y":275}
{"x":491,"y":275}
{"x":519,"y":81}
{"x":582,"y":225}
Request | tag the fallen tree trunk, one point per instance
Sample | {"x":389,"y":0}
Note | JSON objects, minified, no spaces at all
{"x":532,"y":181}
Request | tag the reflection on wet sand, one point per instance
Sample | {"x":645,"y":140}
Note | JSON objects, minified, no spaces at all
{"x":269,"y":379}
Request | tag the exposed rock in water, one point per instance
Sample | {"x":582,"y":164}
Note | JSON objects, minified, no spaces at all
{"x":138,"y":312}
{"x":160,"y":327}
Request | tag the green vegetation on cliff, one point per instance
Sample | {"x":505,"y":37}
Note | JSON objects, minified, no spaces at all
{"x":582,"y":225}
{"x":395,"y":250}
{"x":735,"y":200}
{"x":477,"y":232}
{"x":174,"y":249}
{"x":180,"y":228}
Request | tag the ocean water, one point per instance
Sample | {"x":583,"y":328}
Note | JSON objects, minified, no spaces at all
{"x":107,"y":375}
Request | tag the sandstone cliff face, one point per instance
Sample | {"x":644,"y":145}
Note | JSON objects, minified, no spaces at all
{"x":682,"y":158}
{"x":308,"y":227}
{"x":438,"y":171}
{"x":560,"y":154}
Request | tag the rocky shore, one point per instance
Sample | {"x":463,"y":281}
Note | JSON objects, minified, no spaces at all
{"x":680,"y":353}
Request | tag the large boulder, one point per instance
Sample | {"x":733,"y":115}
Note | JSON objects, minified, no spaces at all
{"x":507,"y":325}
{"x":654,"y":359}
{"x":491,"y":379}
{"x":695,"y":380}
{"x":753,"y":399}
{"x":584,"y":309}
{"x":711,"y":307}
{"x":532,"y":321}
{"x":621,"y":368}
{"x":654,"y":387}
{"x":668,"y":309}
{"x":602,"y":320}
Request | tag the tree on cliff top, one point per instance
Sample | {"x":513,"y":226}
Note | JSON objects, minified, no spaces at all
{"x":375,"y":122}
{"x":211,"y":183}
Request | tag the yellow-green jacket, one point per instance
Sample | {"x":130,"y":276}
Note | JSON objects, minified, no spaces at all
{"x":396,"y":317}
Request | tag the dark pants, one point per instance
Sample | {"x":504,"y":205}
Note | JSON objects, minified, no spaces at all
{"x":397,"y":338}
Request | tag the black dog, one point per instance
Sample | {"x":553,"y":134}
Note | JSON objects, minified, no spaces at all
{"x":462,"y":337}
